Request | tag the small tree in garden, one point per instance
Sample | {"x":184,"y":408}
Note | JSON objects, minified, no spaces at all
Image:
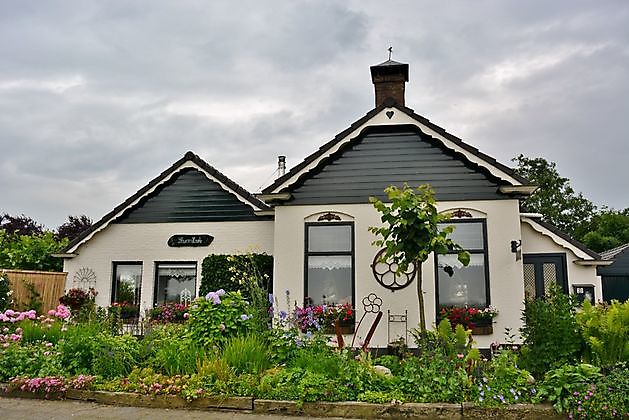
{"x":411,"y":232}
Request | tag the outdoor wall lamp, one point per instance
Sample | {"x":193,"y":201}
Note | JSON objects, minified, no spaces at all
{"x":516,"y":248}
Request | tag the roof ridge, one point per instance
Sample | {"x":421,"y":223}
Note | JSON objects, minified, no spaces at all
{"x":411,"y":113}
{"x":611,"y":253}
{"x":188,"y":156}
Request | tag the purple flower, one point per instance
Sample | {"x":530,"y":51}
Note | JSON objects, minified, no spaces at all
{"x":271,"y":298}
{"x":220,"y":292}
{"x":244,"y":317}
{"x":283,"y":315}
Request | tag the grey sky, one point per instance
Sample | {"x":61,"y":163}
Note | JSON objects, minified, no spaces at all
{"x":98,"y":97}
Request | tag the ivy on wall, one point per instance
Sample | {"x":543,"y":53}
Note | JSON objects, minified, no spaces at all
{"x":217,"y":271}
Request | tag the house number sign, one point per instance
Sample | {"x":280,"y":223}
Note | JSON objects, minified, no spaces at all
{"x":190,"y":240}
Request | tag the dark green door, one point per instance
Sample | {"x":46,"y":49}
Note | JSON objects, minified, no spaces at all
{"x":541,"y":270}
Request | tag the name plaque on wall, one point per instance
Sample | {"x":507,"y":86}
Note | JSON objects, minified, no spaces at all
{"x":190,"y":240}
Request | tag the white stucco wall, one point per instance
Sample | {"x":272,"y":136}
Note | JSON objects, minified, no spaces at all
{"x":147,"y":242}
{"x":534,"y":242}
{"x":506,"y":286}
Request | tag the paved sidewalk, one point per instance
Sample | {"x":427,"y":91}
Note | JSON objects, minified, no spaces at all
{"x":20,"y":408}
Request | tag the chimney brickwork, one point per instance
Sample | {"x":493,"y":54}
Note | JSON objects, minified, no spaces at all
{"x":389,"y":80}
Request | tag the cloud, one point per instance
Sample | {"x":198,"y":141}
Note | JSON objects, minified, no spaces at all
{"x":97,"y":98}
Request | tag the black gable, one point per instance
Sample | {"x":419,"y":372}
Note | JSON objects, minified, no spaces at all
{"x":392,"y":155}
{"x":189,"y":196}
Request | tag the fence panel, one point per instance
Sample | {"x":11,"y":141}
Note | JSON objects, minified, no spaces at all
{"x":49,"y":285}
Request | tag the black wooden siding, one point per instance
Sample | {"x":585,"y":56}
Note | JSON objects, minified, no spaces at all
{"x":189,"y":197}
{"x":620,"y":266}
{"x":378,"y":160}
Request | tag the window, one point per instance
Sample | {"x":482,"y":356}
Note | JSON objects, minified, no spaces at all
{"x":127,"y":283}
{"x":458,"y":285}
{"x":329,"y":265}
{"x":175,"y":282}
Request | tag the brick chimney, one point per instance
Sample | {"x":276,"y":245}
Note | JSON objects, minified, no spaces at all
{"x":389,"y":79}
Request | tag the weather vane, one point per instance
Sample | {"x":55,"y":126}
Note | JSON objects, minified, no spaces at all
{"x":390,"y":49}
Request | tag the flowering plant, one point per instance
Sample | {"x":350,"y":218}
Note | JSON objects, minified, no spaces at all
{"x":169,"y":312}
{"x":77,"y":298}
{"x":126,"y":309}
{"x":317,"y":317}
{"x":469,"y":317}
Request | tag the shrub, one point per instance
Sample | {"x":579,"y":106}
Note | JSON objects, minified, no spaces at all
{"x":88,"y":349}
{"x":605,"y":330}
{"x":179,"y":356}
{"x":502,"y":382}
{"x":169,"y":312}
{"x":218,"y":316}
{"x":550,"y":332}
{"x":247,"y":354}
{"x":5,"y":292}
{"x":603,"y":399}
{"x":217,"y":272}
{"x":31,"y":360}
{"x":565,"y":381}
{"x":76,"y":298}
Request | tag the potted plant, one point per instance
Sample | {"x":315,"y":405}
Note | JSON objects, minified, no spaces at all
{"x":324,"y":317}
{"x":126,"y":310}
{"x":479,"y":320}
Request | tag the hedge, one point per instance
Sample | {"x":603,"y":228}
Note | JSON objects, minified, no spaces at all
{"x":216,"y":274}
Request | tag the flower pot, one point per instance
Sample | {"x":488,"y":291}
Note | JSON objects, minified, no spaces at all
{"x":345,"y":328}
{"x":483,"y":328}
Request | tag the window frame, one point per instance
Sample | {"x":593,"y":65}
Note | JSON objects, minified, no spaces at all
{"x":351,"y":253}
{"x":484,"y":252}
{"x":156,"y":277}
{"x":114,"y":272}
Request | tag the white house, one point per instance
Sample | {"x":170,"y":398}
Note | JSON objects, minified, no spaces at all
{"x":314,"y":220}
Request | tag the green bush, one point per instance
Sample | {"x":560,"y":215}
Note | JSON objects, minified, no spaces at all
{"x":605,"y":330}
{"x":218,"y":316}
{"x":5,"y":292}
{"x":563,"y":382}
{"x":433,"y":378}
{"x":217,"y":272}
{"x":247,"y":354}
{"x":87,"y":349}
{"x":502,"y":382}
{"x":551,"y":334}
{"x":178,"y":357}
{"x":36,"y":332}
{"x":31,"y":360}
{"x":608,"y":397}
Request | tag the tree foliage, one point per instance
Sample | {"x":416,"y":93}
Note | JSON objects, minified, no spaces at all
{"x":411,"y":232}
{"x":73,"y":227}
{"x":26,"y":245}
{"x":30,"y":252}
{"x":609,"y":229}
{"x":20,"y":225}
{"x":571,"y":211}
{"x":555,"y":198}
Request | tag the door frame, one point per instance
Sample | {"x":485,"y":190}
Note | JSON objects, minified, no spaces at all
{"x":562,"y":271}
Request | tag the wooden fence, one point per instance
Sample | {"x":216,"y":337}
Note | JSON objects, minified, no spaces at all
{"x":49,"y":285}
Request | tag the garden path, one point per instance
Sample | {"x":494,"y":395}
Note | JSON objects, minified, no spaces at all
{"x":19,"y":408}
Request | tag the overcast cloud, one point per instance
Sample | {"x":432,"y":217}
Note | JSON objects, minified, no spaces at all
{"x":99,"y":97}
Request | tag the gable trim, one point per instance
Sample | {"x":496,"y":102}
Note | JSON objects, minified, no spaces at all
{"x":586,"y":256}
{"x":378,"y":117}
{"x":189,"y":160}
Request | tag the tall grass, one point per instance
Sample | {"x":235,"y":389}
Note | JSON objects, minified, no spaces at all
{"x":247,"y":354}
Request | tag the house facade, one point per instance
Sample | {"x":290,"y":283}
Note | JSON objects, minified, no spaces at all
{"x":314,"y":220}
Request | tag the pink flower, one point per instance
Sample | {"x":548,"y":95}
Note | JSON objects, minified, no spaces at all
{"x":18,"y":330}
{"x":460,"y":356}
{"x":49,"y":344}
{"x":186,"y":315}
